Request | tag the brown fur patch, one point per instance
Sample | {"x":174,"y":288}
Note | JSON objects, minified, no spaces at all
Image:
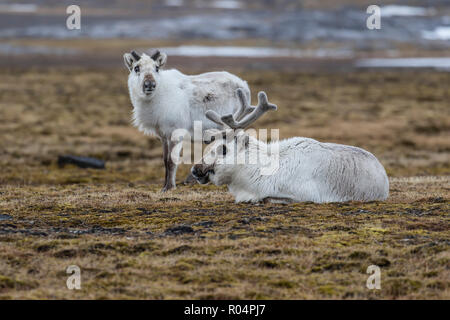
{"x":149,"y":77}
{"x":209,"y":97}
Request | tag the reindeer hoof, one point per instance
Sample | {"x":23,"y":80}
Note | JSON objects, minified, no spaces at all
{"x":167,"y":188}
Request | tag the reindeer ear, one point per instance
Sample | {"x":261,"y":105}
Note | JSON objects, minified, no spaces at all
{"x":128,"y":60}
{"x":160,"y":59}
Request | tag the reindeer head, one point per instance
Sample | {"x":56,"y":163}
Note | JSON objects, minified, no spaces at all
{"x":231,"y":147}
{"x":144,"y":72}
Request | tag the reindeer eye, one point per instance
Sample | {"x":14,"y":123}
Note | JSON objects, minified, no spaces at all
{"x":136,"y":69}
{"x":157,"y":69}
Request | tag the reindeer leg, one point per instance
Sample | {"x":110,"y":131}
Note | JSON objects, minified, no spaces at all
{"x":170,"y":166}
{"x":165,"y":155}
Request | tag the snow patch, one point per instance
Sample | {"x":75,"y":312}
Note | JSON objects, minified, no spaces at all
{"x":254,"y":52}
{"x":406,"y":11}
{"x":440,"y":33}
{"x":18,"y":7}
{"x":433,"y":62}
{"x":174,"y":3}
{"x":226,"y":4}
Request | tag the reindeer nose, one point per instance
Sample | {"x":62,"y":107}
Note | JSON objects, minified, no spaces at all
{"x":197,"y":172}
{"x":199,"y":175}
{"x":149,"y":85}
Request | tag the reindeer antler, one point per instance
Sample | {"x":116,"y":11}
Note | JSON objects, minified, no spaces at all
{"x":214,"y":117}
{"x":245,"y":115}
{"x":245,"y":107}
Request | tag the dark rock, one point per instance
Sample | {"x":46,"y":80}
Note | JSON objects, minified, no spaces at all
{"x":180,"y":249}
{"x":269,"y":264}
{"x":438,"y":200}
{"x":102,"y":230}
{"x":4,"y":217}
{"x":98,"y":246}
{"x":82,"y":162}
{"x":169,"y":199}
{"x":9,"y":225}
{"x":67,"y":253}
{"x":244,"y":221}
{"x":44,"y":247}
{"x":144,"y":211}
{"x":258,"y":219}
{"x":123,"y":153}
{"x":381,"y":262}
{"x":66,"y":236}
{"x":338,"y":228}
{"x":181,"y":229}
{"x":266,"y":251}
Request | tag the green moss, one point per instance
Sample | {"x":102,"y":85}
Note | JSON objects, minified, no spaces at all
{"x":10,"y":283}
{"x":328,"y":290}
{"x":6,"y":283}
{"x":400,"y":286}
{"x":430,"y":274}
{"x":283,"y":284}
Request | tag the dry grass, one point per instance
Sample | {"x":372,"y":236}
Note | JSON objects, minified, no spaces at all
{"x":118,"y":227}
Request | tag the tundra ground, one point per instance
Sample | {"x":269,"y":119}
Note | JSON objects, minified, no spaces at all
{"x":131,"y":241}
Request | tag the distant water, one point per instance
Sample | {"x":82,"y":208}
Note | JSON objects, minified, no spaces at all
{"x":229,"y":19}
{"x":18,"y":7}
{"x":227,"y":4}
{"x":442,"y":63}
{"x":440,"y":33}
{"x":406,"y":11}
{"x":254,"y":52}
{"x":220,"y":4}
{"x":13,"y":49}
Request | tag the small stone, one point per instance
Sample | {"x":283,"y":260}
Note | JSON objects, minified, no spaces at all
{"x":180,"y":229}
{"x":4,"y":217}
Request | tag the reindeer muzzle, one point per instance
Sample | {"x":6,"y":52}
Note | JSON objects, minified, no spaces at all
{"x":201,"y":173}
{"x":148,"y":86}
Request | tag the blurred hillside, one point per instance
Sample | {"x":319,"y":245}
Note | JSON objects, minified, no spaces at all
{"x":306,"y":29}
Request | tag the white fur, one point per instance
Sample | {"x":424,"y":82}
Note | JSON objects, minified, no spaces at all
{"x":178,"y":100}
{"x":309,"y":170}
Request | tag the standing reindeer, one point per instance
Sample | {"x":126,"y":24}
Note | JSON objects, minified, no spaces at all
{"x":166,"y":100}
{"x":308,"y":170}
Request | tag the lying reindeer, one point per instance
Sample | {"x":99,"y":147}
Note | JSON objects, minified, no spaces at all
{"x":166,"y":100}
{"x":308,"y":170}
